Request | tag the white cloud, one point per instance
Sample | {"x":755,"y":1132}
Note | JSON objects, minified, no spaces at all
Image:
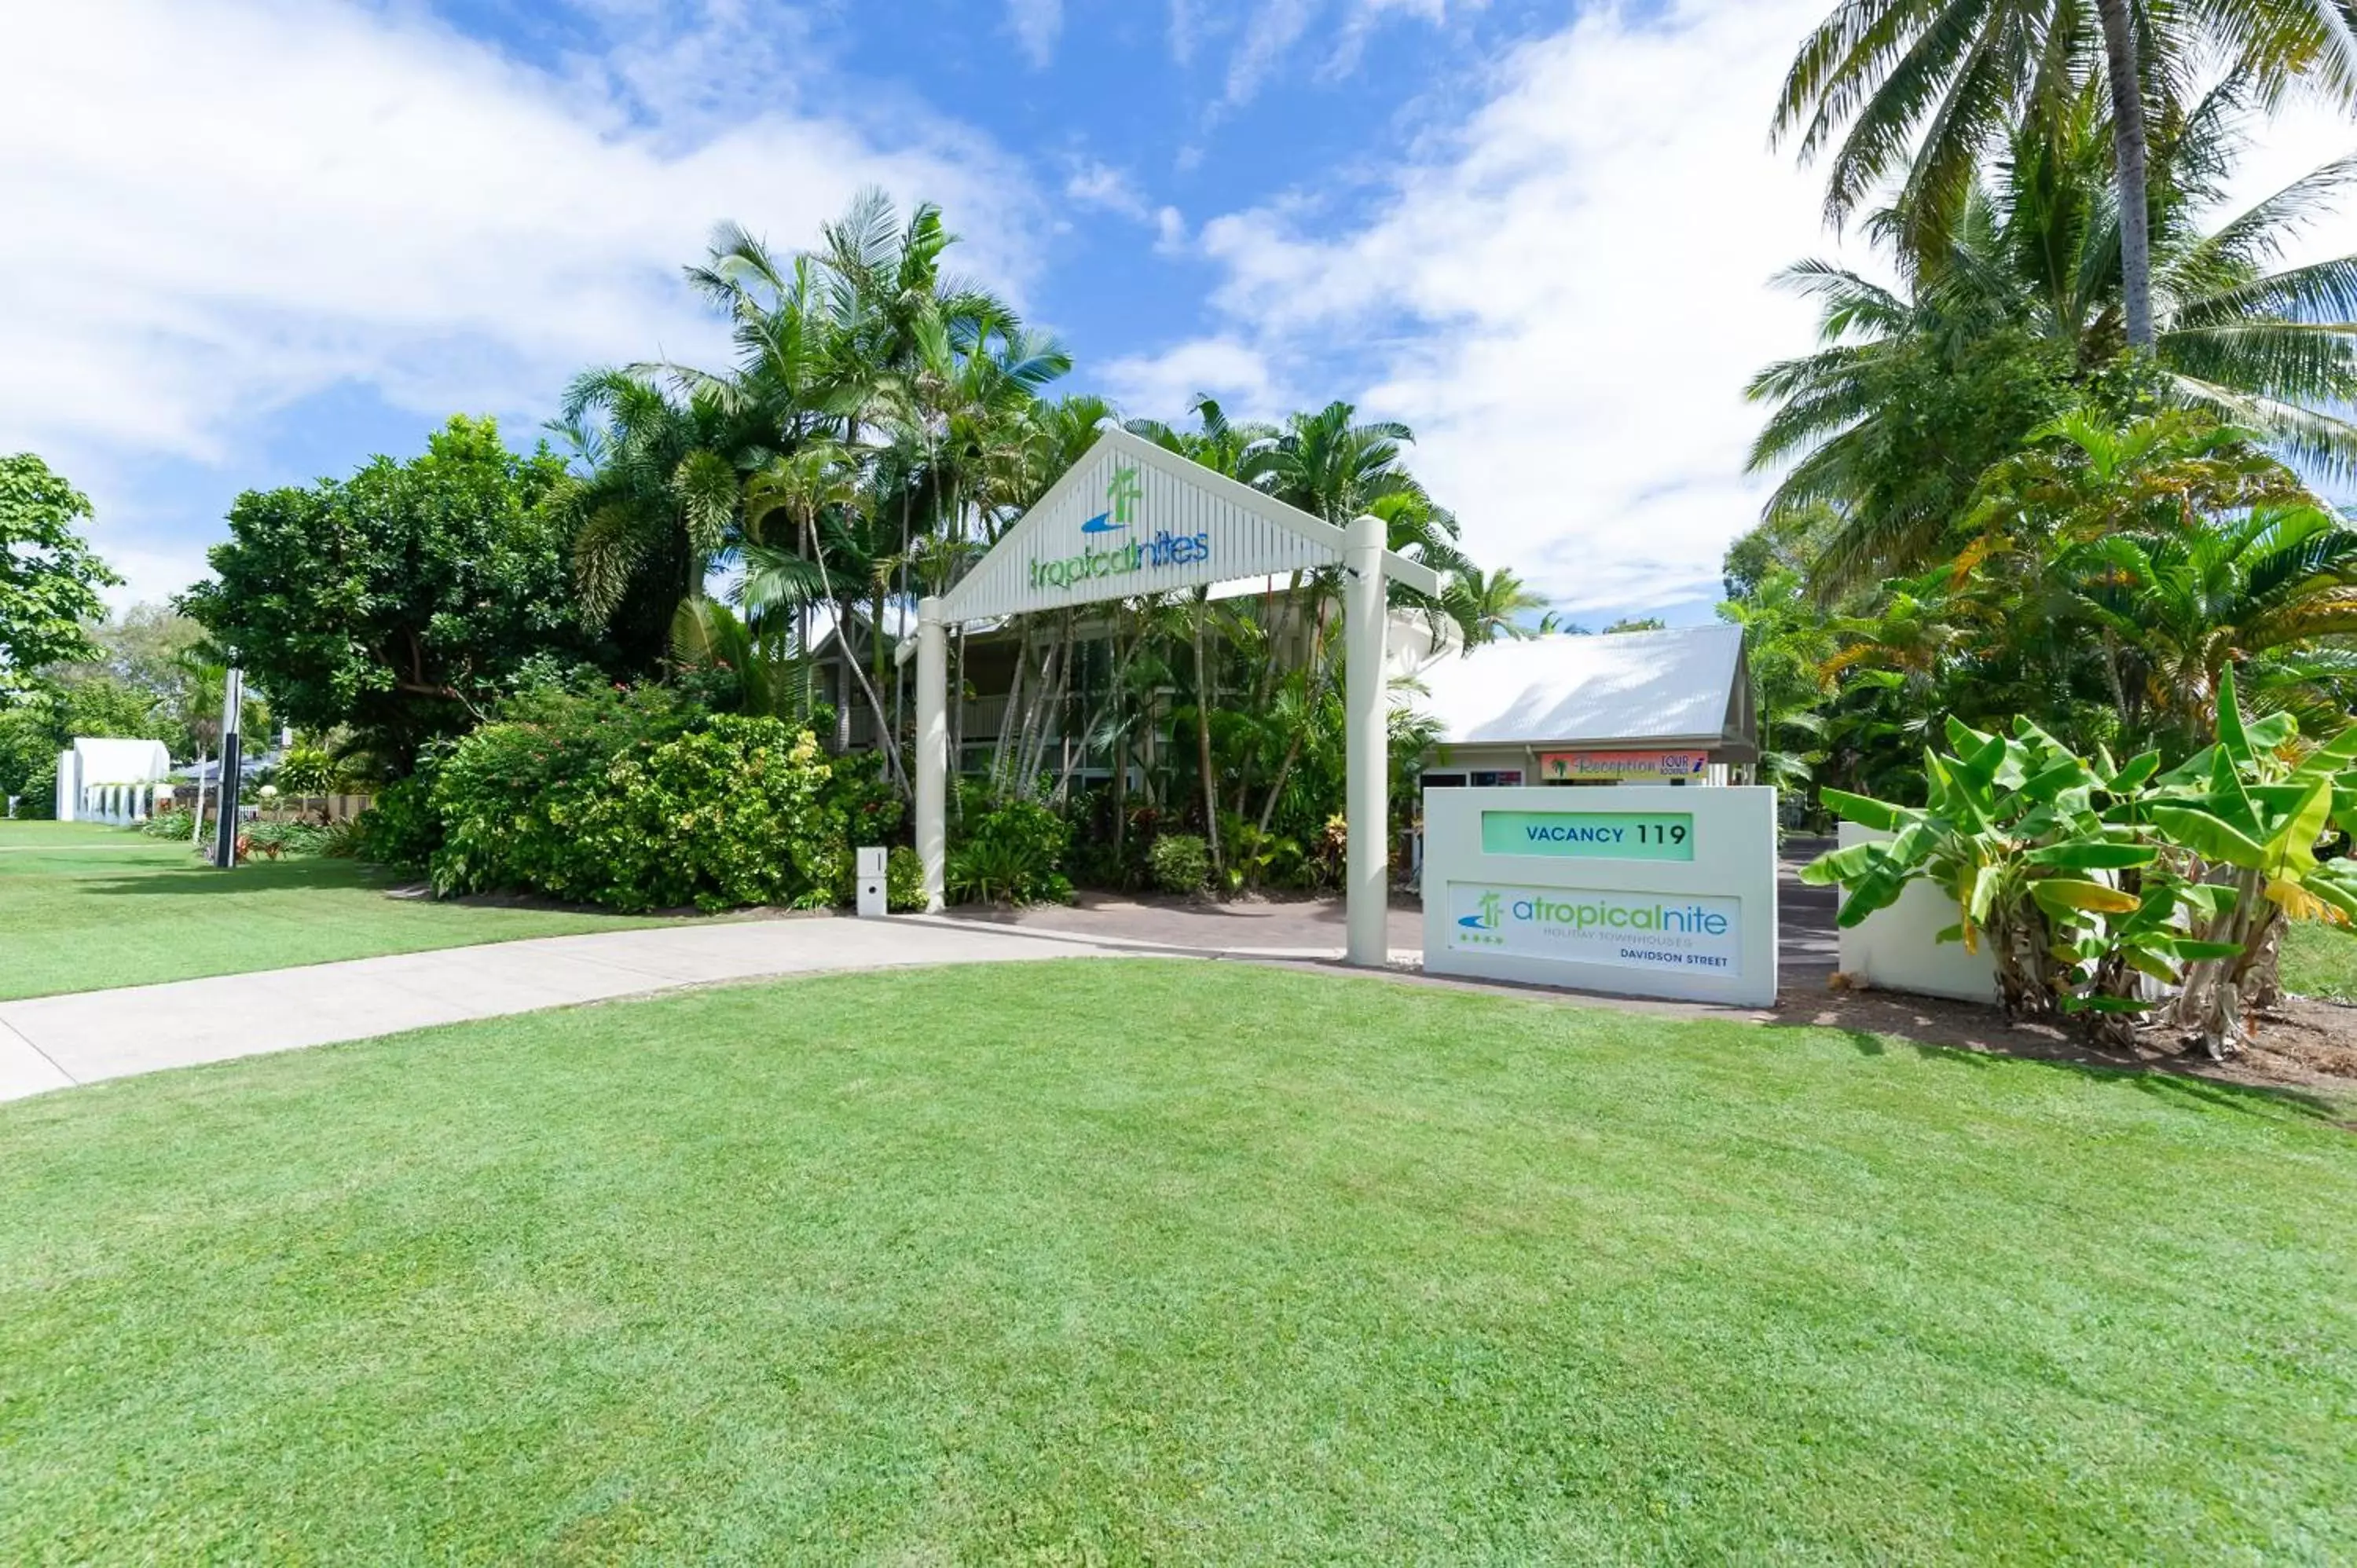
{"x":1169,"y":231}
{"x":1563,"y":298}
{"x":1161,"y":386}
{"x":1094,"y":184}
{"x":1182,"y":30}
{"x":1275,"y":28}
{"x":1037,"y":24}
{"x":218,"y":208}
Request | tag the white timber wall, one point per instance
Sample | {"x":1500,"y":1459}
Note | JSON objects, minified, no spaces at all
{"x":1895,"y":949}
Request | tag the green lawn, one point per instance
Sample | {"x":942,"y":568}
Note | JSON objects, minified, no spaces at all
{"x":1118,"y":1261}
{"x":2320,"y":960}
{"x":84,"y":908}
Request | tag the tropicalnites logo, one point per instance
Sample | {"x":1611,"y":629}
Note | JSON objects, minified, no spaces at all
{"x":1124,"y":497}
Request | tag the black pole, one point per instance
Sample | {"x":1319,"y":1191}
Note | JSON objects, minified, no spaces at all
{"x":225,"y":797}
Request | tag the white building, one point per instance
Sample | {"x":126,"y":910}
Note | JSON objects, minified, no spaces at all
{"x":1638,"y":706}
{"x":110,"y":781}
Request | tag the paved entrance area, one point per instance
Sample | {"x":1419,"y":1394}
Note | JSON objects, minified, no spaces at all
{"x":1312,"y":929}
{"x":55,"y":1042}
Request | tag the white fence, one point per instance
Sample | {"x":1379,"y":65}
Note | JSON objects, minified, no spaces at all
{"x":116,"y":805}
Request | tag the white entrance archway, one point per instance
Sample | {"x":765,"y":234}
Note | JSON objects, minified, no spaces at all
{"x":1131,"y":518}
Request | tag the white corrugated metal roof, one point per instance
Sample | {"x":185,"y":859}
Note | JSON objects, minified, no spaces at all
{"x":121,"y":761}
{"x":1586,"y":691}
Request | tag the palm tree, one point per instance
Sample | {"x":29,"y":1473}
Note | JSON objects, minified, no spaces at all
{"x":1914,"y":393}
{"x":1230,"y":449}
{"x":652,"y":501}
{"x":2189,"y":605}
{"x":1487,"y":606}
{"x":1927,"y":87}
{"x":816,"y":478}
{"x":2170,"y":548}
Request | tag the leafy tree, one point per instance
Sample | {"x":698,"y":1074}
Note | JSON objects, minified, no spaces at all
{"x":155,"y":650}
{"x":50,"y":576}
{"x":397,"y":602}
{"x":44,"y":719}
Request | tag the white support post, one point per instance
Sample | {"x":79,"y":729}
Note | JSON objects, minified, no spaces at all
{"x":933,"y":748}
{"x":1366,"y":745}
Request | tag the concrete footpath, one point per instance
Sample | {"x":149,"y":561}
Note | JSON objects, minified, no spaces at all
{"x":56,"y":1042}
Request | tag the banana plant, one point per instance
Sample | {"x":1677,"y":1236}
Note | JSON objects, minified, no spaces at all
{"x":2244,"y":817}
{"x":2047,"y":856}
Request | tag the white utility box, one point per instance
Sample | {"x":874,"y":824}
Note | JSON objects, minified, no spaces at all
{"x":873,"y":860}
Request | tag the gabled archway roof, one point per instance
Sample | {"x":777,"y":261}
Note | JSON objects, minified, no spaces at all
{"x":1129,"y":519}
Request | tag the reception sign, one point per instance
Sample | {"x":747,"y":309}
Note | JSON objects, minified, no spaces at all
{"x":1602,"y":764}
{"x":1525,"y":884}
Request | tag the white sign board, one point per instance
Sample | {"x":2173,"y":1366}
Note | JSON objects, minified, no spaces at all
{"x":1649,"y":889}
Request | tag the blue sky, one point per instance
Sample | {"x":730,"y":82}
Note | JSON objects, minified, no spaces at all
{"x":255,"y":241}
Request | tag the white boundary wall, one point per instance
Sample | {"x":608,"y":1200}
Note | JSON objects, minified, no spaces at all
{"x":1894,"y":948}
{"x":1586,"y":889}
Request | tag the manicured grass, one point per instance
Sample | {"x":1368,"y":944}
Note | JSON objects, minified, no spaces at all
{"x":84,"y":908}
{"x":2320,"y":960}
{"x":1127,"y":1260}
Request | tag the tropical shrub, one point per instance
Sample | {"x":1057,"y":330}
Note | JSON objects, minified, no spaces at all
{"x":508,"y":801}
{"x":169,"y":824}
{"x":904,"y":880}
{"x":2085,"y":876}
{"x":1011,"y":853}
{"x":272,"y":840}
{"x":1180,"y":862}
{"x":722,"y":817}
{"x":400,"y":829}
{"x":858,"y":795}
{"x":2246,"y":823}
{"x":306,"y":771}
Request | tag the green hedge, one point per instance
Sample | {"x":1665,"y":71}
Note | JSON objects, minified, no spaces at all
{"x":635,"y":800}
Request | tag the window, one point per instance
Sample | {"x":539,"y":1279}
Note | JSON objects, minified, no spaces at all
{"x":1443,"y":780}
{"x":1504,"y":776}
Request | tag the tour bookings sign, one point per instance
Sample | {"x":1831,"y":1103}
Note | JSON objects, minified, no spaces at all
{"x":1670,"y":893}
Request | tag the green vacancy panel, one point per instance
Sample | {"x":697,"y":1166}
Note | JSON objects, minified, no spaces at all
{"x":1589,"y":835}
